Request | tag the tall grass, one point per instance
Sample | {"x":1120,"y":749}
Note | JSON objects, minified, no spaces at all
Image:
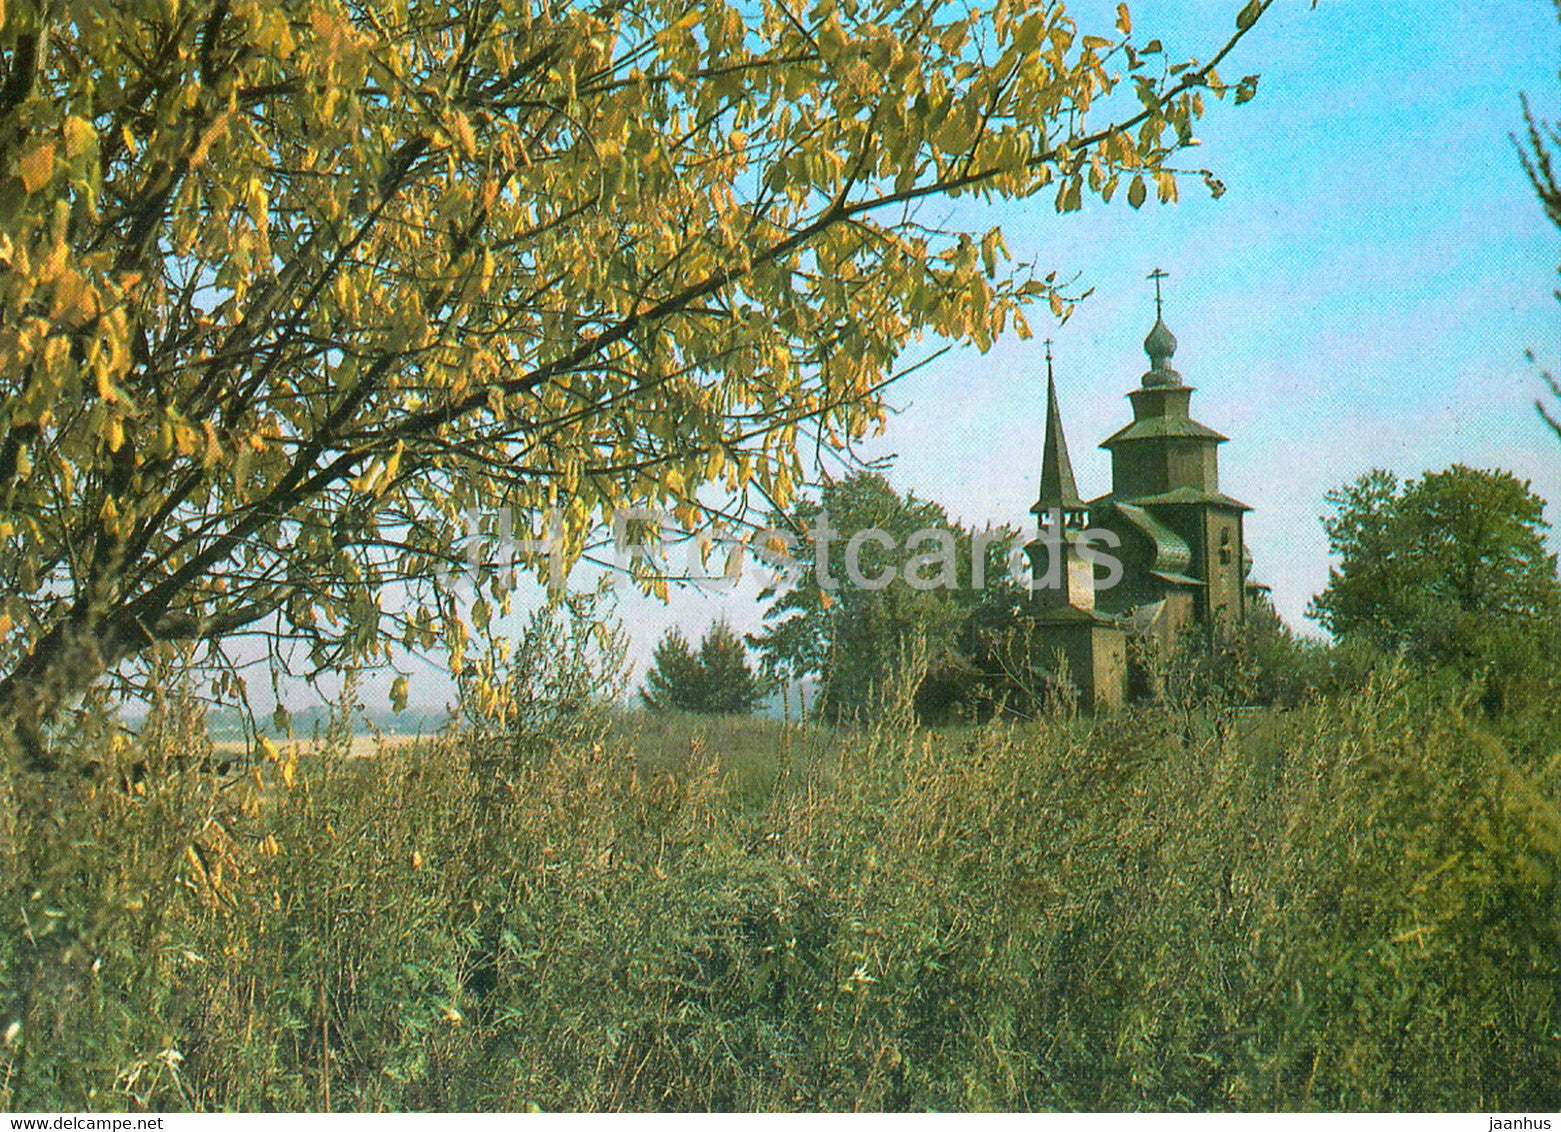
{"x":1351,"y":905}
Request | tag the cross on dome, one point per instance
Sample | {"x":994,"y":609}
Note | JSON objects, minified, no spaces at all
{"x":1160,"y":345}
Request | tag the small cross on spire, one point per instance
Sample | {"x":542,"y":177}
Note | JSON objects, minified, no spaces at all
{"x":1048,"y":359}
{"x":1157,"y":274}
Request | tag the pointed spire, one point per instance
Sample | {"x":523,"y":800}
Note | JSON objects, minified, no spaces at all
{"x":1059,"y":492}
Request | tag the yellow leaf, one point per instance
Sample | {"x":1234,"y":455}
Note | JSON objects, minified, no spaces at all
{"x":56,"y":353}
{"x":79,"y":136}
{"x":184,"y":438}
{"x":36,"y":166}
{"x":52,"y":264}
{"x":1124,"y":21}
{"x":392,"y":466}
{"x":688,"y":21}
{"x":464,"y":135}
{"x":74,"y":302}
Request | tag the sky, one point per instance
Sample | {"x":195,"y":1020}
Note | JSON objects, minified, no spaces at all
{"x":1361,"y":296}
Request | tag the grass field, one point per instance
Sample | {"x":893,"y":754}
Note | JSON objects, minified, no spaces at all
{"x":1349,"y":905}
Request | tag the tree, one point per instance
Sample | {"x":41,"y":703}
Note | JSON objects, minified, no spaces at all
{"x":728,"y":685}
{"x":294,"y":290}
{"x":851,"y":633}
{"x":672,"y":684}
{"x":716,"y":681}
{"x":1452,"y":568}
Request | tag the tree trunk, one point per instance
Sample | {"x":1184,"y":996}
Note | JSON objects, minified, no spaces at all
{"x":62,"y":666}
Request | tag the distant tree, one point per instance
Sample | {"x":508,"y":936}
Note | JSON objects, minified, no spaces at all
{"x":728,"y":686}
{"x":673,"y":680}
{"x":848,"y":635}
{"x":1452,"y":568}
{"x":716,"y":680}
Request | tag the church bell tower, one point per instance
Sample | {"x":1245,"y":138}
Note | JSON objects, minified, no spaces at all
{"x":1166,"y":499}
{"x":1093,"y":645}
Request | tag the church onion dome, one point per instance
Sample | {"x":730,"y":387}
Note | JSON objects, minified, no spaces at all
{"x":1160,"y":345}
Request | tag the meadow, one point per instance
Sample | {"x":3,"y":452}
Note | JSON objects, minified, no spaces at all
{"x":1348,"y":905}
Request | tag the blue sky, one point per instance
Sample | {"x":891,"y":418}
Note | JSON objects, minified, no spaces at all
{"x":1361,"y":296}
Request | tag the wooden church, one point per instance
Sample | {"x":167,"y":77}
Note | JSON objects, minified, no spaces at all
{"x":1184,"y":567}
